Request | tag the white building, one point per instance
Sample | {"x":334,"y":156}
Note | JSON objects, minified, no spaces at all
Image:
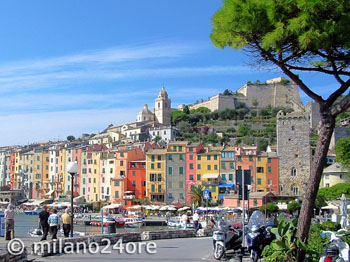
{"x":165,"y":133}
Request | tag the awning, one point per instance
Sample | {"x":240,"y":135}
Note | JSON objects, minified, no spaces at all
{"x":210,"y":175}
{"x":49,"y":193}
{"x":221,"y":197}
{"x":112,"y":206}
{"x":227,"y":185}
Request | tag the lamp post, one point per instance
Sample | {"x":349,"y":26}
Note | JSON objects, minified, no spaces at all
{"x":72,"y":169}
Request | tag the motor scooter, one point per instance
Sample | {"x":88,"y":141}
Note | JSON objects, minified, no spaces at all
{"x":336,"y":250}
{"x":226,"y":237}
{"x":259,"y":235}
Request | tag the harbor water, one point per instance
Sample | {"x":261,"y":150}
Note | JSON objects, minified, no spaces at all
{"x":23,"y":223}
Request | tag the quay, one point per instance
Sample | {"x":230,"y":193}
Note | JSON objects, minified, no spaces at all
{"x":152,"y":221}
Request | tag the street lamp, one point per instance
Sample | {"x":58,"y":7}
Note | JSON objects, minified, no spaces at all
{"x":72,"y":169}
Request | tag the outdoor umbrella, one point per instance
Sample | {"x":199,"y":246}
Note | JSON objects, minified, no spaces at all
{"x":343,"y":211}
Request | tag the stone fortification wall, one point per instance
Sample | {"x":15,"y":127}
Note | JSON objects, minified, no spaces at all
{"x":274,"y":94}
{"x":313,"y":110}
{"x":218,"y":102}
{"x":293,"y":149}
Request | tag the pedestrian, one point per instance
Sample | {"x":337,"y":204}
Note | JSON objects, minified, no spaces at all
{"x":54,"y":222}
{"x":44,"y":222}
{"x":66,"y":220}
{"x":195,"y":219}
{"x":159,"y":213}
{"x":184,"y":219}
{"x":9,"y":222}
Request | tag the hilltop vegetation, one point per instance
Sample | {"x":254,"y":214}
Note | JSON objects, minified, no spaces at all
{"x":239,"y":126}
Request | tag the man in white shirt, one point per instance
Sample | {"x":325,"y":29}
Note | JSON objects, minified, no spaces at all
{"x":195,"y":219}
{"x":184,"y":219}
{"x":9,"y":222}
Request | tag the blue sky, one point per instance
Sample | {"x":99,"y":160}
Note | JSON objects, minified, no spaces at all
{"x":70,"y":67}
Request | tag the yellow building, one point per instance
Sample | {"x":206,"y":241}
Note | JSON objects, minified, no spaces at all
{"x":16,"y":179}
{"x":208,"y":170}
{"x":62,"y":171}
{"x":155,"y":175}
{"x":261,"y":174}
{"x":45,"y":173}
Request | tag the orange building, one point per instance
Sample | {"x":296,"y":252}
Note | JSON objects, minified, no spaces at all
{"x":246,"y":160}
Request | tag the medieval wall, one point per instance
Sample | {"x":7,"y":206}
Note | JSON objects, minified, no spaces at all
{"x":293,"y":149}
{"x":218,"y":102}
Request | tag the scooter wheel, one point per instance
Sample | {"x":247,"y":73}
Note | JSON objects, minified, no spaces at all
{"x":218,"y":251}
{"x":254,"y":257}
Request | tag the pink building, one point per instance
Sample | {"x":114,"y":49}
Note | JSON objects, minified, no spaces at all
{"x":191,"y":168}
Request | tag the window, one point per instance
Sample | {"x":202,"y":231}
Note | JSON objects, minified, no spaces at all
{"x":198,"y":177}
{"x":152,"y":157}
{"x":180,"y":148}
{"x":259,"y":181}
{"x":134,"y":183}
{"x":215,"y":157}
{"x":159,"y":177}
{"x":260,"y":169}
{"x":133,"y":173}
{"x":223,"y":166}
{"x":191,"y":166}
{"x":89,"y":180}
{"x":159,"y":188}
{"x":327,"y":185}
{"x":103,"y":180}
{"x":181,"y":184}
{"x":103,"y":170}
{"x":94,"y":180}
{"x":191,"y":177}
{"x":209,"y":167}
{"x":175,"y":148}
{"x":293,"y":171}
{"x":159,"y":158}
{"x":239,"y":158}
{"x":121,"y":163}
{"x":181,"y":157}
{"x":152,"y":177}
{"x":181,"y":196}
{"x":341,"y":176}
{"x":95,"y":171}
{"x":191,"y":157}
{"x":208,"y":157}
{"x":326,"y":176}
{"x":294,"y":189}
{"x":181,"y":170}
{"x":269,"y":182}
{"x":83,"y":190}
{"x":223,"y":176}
{"x":269,"y":169}
{"x":255,"y":202}
{"x":116,"y":183}
{"x":213,"y":189}
{"x":199,"y":166}
{"x":230,"y":177}
{"x":84,"y":181}
{"x":269,"y":160}
{"x":159,"y":165}
{"x":232,"y":165}
{"x":239,"y":168}
{"x":170,"y":170}
{"x":152,"y":166}
{"x":94,"y":161}
{"x":215,"y":167}
{"x":250,"y":158}
{"x":191,"y":149}
{"x":170,"y":195}
{"x":170,"y":157}
{"x":153,"y":188}
{"x":170,"y":184}
{"x":198,"y":157}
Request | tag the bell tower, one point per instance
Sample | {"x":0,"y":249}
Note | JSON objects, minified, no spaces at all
{"x":162,"y":108}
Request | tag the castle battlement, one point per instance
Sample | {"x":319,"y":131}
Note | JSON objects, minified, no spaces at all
{"x":292,"y":115}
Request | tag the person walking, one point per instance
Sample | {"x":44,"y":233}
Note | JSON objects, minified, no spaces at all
{"x":54,"y":222}
{"x":184,"y":219}
{"x":66,"y":219}
{"x":9,"y":222}
{"x":44,"y":222}
{"x":195,"y":219}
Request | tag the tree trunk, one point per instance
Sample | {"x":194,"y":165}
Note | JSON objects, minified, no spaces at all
{"x":306,"y":212}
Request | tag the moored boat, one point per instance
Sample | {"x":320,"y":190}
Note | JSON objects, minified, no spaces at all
{"x":133,"y":222}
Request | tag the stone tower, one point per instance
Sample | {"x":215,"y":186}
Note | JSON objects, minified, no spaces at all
{"x":293,"y":149}
{"x":162,"y":108}
{"x":145,"y":114}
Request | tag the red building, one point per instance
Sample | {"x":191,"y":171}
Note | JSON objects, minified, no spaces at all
{"x":12,"y":169}
{"x":135,"y":181}
{"x":273,"y":173}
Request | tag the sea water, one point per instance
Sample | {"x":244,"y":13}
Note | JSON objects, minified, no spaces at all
{"x":23,"y":223}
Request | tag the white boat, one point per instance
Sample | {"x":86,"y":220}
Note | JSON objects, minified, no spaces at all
{"x":133,"y":222}
{"x":35,"y":232}
{"x":177,"y":223}
{"x":75,"y":233}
